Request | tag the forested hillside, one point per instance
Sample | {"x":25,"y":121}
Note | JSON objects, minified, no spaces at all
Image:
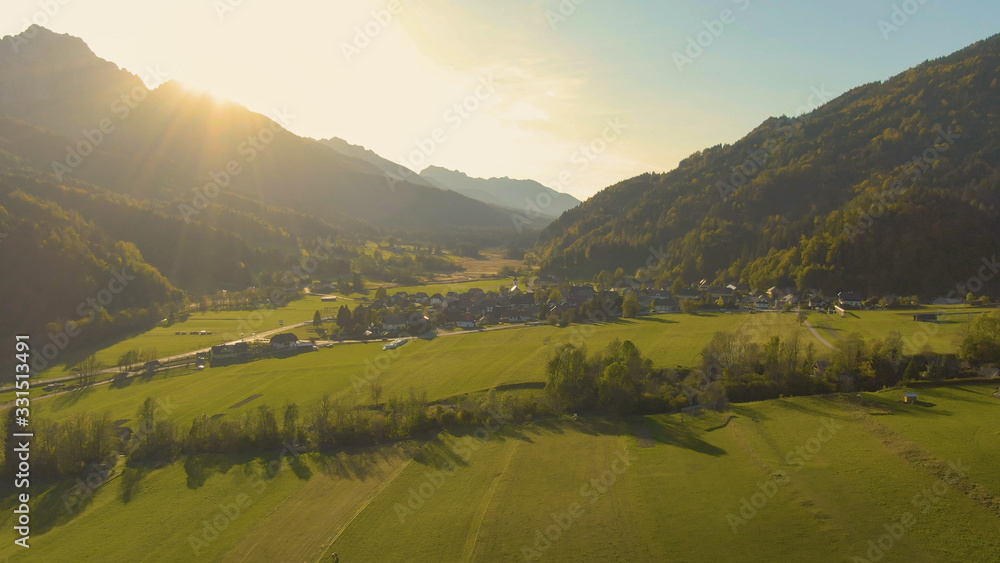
{"x":891,"y":187}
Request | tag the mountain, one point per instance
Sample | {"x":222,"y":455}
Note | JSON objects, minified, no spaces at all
{"x":892,"y":187}
{"x":170,"y":142}
{"x":55,"y":81}
{"x":526,"y":195}
{"x":396,"y":171}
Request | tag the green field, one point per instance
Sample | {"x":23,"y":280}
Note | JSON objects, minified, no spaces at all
{"x":504,"y":486}
{"x":443,"y":367}
{"x":943,"y":336}
{"x":224,"y":325}
{"x":501,"y":488}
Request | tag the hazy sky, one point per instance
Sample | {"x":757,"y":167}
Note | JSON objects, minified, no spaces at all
{"x":534,"y":81}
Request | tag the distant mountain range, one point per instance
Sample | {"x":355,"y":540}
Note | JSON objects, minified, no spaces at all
{"x":891,"y":187}
{"x":168,"y":141}
{"x":528,"y":197}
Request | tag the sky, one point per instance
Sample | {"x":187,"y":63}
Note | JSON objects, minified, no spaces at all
{"x":576,"y":94}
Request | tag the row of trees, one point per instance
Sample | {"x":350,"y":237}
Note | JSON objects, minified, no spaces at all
{"x":617,"y":380}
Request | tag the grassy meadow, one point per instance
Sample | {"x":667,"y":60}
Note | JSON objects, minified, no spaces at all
{"x":832,"y":473}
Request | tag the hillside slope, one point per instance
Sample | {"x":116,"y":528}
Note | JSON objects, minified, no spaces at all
{"x":799,"y":201}
{"x":166,"y":142}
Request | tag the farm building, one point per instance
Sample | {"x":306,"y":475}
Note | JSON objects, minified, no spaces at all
{"x":926,"y":317}
{"x":910,"y":398}
{"x":851,"y":299}
{"x":285,"y":341}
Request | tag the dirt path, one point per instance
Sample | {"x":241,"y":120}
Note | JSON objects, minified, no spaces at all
{"x":819,"y":336}
{"x":484,"y":504}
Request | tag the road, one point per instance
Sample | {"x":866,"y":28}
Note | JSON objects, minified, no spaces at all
{"x":108,"y":371}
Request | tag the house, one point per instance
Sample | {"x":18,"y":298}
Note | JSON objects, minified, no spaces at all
{"x":910,"y":398}
{"x":820,"y":367}
{"x":282,"y":342}
{"x":688,"y":294}
{"x":723,"y":292}
{"x":926,"y":317}
{"x":393,"y":323}
{"x":851,"y":299}
{"x":460,"y":319}
{"x":665,"y":305}
{"x":226,"y":354}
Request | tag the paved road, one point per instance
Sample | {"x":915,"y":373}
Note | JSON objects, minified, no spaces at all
{"x":108,"y":371}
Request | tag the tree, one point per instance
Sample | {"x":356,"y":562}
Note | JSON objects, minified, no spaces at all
{"x":376,"y":391}
{"x":981,"y":342}
{"x":343,"y":286}
{"x":381,"y":294}
{"x":344,"y":318}
{"x":689,"y":306}
{"x":317,"y":319}
{"x":357,"y":283}
{"x":677,"y":286}
{"x":127,"y":361}
{"x":291,"y":421}
{"x":911,"y":373}
{"x":802,"y":315}
{"x":970,"y":297}
{"x":87,"y":371}
{"x":630,"y":306}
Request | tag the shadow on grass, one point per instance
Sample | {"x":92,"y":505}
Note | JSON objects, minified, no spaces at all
{"x":660,"y":320}
{"x":721,"y":426}
{"x":55,"y":506}
{"x":357,"y":463}
{"x":200,"y":467}
{"x":132,"y":475}
{"x":672,"y":432}
{"x":69,"y":399}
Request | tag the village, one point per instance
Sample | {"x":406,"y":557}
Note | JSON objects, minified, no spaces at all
{"x":548,"y":300}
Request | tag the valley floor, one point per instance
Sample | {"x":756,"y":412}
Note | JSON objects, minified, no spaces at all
{"x":801,"y":479}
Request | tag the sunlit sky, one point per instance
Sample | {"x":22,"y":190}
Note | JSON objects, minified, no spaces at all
{"x":559,"y":70}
